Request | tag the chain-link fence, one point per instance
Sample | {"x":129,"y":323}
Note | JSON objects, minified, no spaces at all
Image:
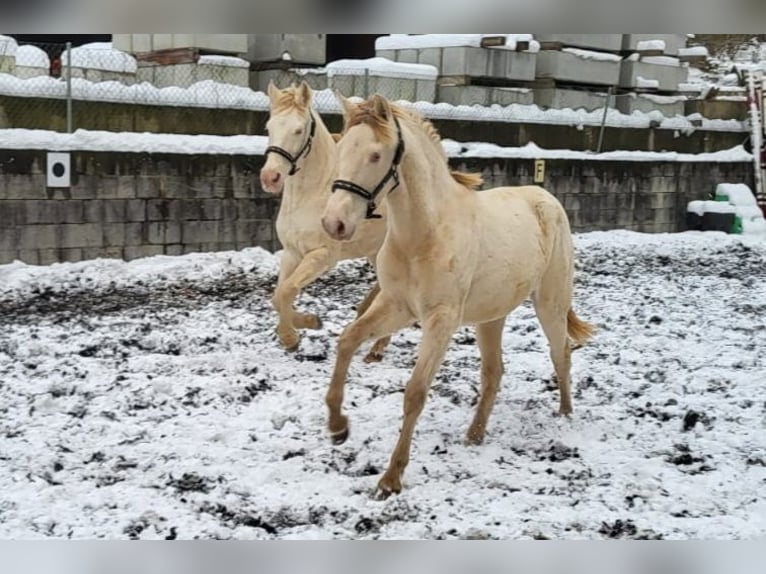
{"x":64,"y":88}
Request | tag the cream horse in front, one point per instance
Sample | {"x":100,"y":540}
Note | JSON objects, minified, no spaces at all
{"x":451,"y":256}
{"x":300,"y":165}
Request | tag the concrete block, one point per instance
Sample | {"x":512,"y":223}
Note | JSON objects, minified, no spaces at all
{"x":19,"y":186}
{"x":70,"y":211}
{"x":177,"y":249}
{"x":36,"y":237}
{"x":566,"y":66}
{"x":606,"y":42}
{"x":464,"y":95}
{"x":140,"y":251}
{"x":49,"y":256}
{"x":668,"y":77}
{"x":71,"y":255}
{"x":7,"y":64}
{"x":259,"y":81}
{"x":431,"y":56}
{"x":28,"y":256}
{"x":508,"y":96}
{"x":81,"y":235}
{"x":673,"y":42}
{"x":669,"y":106}
{"x":559,"y":98}
{"x":200,"y":232}
{"x":163,"y":209}
{"x":303,"y":48}
{"x":9,"y":238}
{"x":163,"y":42}
{"x":26,"y":72}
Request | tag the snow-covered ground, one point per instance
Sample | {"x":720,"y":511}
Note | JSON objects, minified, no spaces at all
{"x":150,"y":400}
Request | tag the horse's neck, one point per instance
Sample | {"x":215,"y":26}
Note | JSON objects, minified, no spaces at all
{"x":415,"y":210}
{"x":315,"y":170}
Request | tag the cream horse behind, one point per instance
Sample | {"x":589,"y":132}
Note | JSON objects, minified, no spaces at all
{"x":300,"y":165}
{"x":451,"y":256}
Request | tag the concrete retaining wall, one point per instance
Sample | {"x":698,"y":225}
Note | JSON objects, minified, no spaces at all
{"x":134,"y":205}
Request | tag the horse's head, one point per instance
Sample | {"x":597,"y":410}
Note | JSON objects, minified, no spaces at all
{"x":291,"y":129}
{"x":369,"y":154}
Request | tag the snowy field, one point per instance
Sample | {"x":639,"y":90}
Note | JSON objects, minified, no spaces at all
{"x":150,"y":400}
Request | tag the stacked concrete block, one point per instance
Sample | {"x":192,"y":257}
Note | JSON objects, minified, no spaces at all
{"x":8,"y":48}
{"x":672,"y":43}
{"x":220,"y":69}
{"x":101,"y":62}
{"x":561,"y":98}
{"x":299,"y":49}
{"x":31,"y":62}
{"x":487,"y":63}
{"x":394,"y":80}
{"x":669,"y":106}
{"x":468,"y":61}
{"x":573,"y":65}
{"x":233,"y":44}
{"x":315,"y":77}
{"x":599,"y":42}
{"x":460,"y":95}
{"x":661,"y":73}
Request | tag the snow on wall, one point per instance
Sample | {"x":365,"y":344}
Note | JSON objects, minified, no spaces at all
{"x":32,"y":57}
{"x":102,"y":56}
{"x":381,"y":67}
{"x":8,"y":46}
{"x":85,"y":140}
{"x":228,"y":61}
{"x":410,"y":41}
{"x":591,"y":55}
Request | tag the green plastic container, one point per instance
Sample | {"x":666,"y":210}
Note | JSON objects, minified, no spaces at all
{"x":736,"y":227}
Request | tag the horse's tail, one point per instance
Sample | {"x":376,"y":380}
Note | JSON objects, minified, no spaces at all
{"x":578,"y":330}
{"x":469,"y":180}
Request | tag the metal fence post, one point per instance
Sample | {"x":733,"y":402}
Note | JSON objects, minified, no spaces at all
{"x":69,"y":87}
{"x":366,"y":83}
{"x":603,"y":120}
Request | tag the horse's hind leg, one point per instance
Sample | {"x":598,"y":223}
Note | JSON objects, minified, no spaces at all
{"x":489,"y":336}
{"x":552,"y":314}
{"x":376,"y":352}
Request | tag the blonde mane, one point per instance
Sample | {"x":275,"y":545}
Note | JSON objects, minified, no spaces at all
{"x":365,"y":113}
{"x":288,"y":99}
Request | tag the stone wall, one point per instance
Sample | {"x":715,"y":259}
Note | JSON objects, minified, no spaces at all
{"x":132,"y":205}
{"x":129,"y":205}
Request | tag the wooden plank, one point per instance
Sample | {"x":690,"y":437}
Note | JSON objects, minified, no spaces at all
{"x":169,"y":57}
{"x":557,"y":46}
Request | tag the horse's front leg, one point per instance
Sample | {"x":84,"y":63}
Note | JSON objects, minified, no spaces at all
{"x":383,"y":317}
{"x":305,"y":272}
{"x":438,"y":328}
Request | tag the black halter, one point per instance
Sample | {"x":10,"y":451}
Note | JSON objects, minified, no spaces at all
{"x":303,"y":151}
{"x":393,"y":173}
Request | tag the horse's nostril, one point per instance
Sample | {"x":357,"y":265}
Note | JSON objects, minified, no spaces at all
{"x":276,"y":177}
{"x":341,"y":228}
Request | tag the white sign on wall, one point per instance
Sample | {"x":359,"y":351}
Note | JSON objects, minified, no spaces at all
{"x":59,"y":169}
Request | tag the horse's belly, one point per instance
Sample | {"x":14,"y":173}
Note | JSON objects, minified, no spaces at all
{"x":495,"y":294}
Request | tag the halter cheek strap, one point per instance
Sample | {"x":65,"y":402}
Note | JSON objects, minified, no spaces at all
{"x":293,"y":159}
{"x":392,"y":174}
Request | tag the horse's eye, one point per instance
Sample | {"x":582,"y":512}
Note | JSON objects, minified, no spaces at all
{"x":374,"y":157}
{"x":299,"y":131}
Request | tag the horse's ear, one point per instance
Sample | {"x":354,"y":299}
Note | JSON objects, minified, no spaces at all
{"x":345,"y":105}
{"x":272,"y":90}
{"x":304,"y":94}
{"x":380,"y":106}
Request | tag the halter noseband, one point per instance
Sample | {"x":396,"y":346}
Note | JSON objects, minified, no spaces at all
{"x":393,"y":173}
{"x":293,"y":159}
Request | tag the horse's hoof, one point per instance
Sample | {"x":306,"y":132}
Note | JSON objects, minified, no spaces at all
{"x":474,"y":439}
{"x":387,"y":487}
{"x":373,"y":357}
{"x":291,"y":347}
{"x":339,"y":437}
